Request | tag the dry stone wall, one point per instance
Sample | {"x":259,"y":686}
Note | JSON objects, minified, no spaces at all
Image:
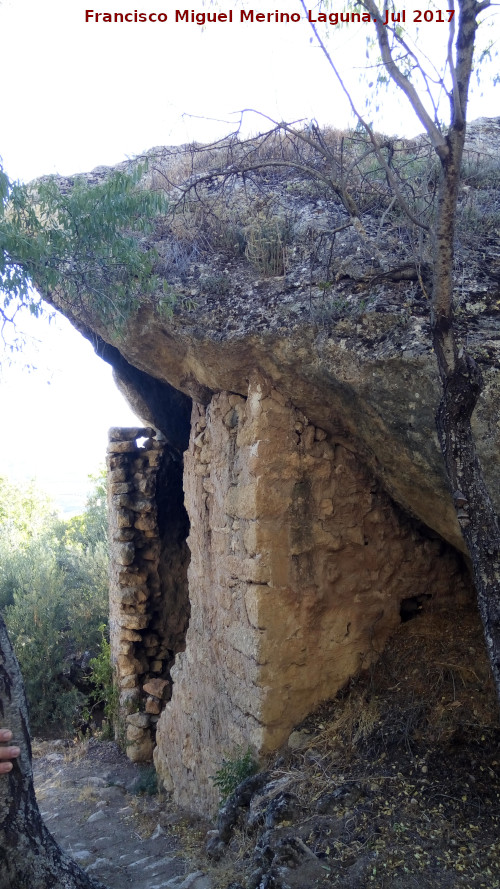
{"x":148,"y":605}
{"x":299,"y":566}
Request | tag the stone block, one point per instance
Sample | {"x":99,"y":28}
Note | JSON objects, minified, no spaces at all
{"x":121,"y":487}
{"x":150,"y":553}
{"x":129,"y":595}
{"x":124,"y":518}
{"x":122,"y":501}
{"x":129,"y":699}
{"x":145,"y":523}
{"x":252,"y":570}
{"x":156,"y":687}
{"x":132,"y":577}
{"x":307,"y":437}
{"x":144,"y":484}
{"x":128,"y":665}
{"x":240,"y":501}
{"x":124,"y":553}
{"x":141,"y":750}
{"x":153,"y":706}
{"x":153,"y":458}
{"x":122,"y":447}
{"x":136,"y":608}
{"x":205,"y":455}
{"x":125,"y":648}
{"x":123,"y":433}
{"x":117,"y":475}
{"x":130,"y":635}
{"x":125,"y":597}
{"x":124,"y":534}
{"x":150,"y":445}
{"x":242,"y":638}
{"x":129,"y":682}
{"x":139,"y":720}
{"x":117,"y":461}
{"x":134,"y":621}
{"x":201,"y":469}
{"x":143,"y":504}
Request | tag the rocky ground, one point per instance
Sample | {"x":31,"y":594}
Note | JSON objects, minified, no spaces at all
{"x":394,"y":785}
{"x":107,"y":814}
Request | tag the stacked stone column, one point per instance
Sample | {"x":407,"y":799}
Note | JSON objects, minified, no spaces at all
{"x":140,"y":655}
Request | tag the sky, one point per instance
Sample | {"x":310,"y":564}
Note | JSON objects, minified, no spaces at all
{"x":77,"y":94}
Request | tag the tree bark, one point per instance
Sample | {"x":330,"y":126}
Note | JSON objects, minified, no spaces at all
{"x":30,"y":857}
{"x":461,"y":378}
{"x":475,"y":512}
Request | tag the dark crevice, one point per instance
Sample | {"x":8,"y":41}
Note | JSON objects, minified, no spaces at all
{"x":173,"y":529}
{"x":157,"y":402}
{"x":413,"y":606}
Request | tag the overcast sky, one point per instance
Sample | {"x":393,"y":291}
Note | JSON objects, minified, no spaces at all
{"x":77,"y":94}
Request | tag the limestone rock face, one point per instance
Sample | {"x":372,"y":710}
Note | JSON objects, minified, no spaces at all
{"x":349,"y":347}
{"x":318,"y":510}
{"x":299,"y":565}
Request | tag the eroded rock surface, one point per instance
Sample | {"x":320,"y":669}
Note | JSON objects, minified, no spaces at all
{"x":299,"y":565}
{"x":314,"y":485}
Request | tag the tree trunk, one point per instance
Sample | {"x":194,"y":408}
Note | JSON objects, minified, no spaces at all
{"x":461,"y":378}
{"x":30,"y":858}
{"x":475,"y":512}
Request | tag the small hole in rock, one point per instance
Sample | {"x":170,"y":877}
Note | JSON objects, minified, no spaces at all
{"x":412,"y":607}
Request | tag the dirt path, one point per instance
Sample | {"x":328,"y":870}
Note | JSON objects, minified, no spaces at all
{"x":90,"y":798}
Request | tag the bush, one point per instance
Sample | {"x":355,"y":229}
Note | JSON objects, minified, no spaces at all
{"x":54,"y":592}
{"x":147,"y":782}
{"x":233,"y":771}
{"x":105,"y":691}
{"x":39,"y":622}
{"x":266,"y":240}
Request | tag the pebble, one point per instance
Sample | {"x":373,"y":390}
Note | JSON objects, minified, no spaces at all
{"x":196,"y":880}
{"x":98,"y":863}
{"x":96,"y":782}
{"x":82,"y":855}
{"x":97,"y":816}
{"x":299,"y":740}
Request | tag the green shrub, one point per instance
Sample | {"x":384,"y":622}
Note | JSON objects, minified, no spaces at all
{"x":54,"y":595}
{"x":233,"y":771}
{"x":105,"y":691}
{"x":40,"y":628}
{"x":147,"y":782}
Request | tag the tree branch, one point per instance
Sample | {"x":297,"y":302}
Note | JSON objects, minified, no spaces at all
{"x":437,"y":139}
{"x":371,"y":135}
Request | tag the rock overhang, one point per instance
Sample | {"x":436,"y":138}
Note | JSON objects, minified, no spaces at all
{"x":349,"y":343}
{"x":313,"y":480}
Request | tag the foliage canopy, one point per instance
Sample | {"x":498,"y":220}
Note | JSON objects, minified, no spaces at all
{"x":86,"y":241}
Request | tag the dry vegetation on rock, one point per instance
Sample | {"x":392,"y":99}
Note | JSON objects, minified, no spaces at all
{"x":320,"y":198}
{"x":394,"y":785}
